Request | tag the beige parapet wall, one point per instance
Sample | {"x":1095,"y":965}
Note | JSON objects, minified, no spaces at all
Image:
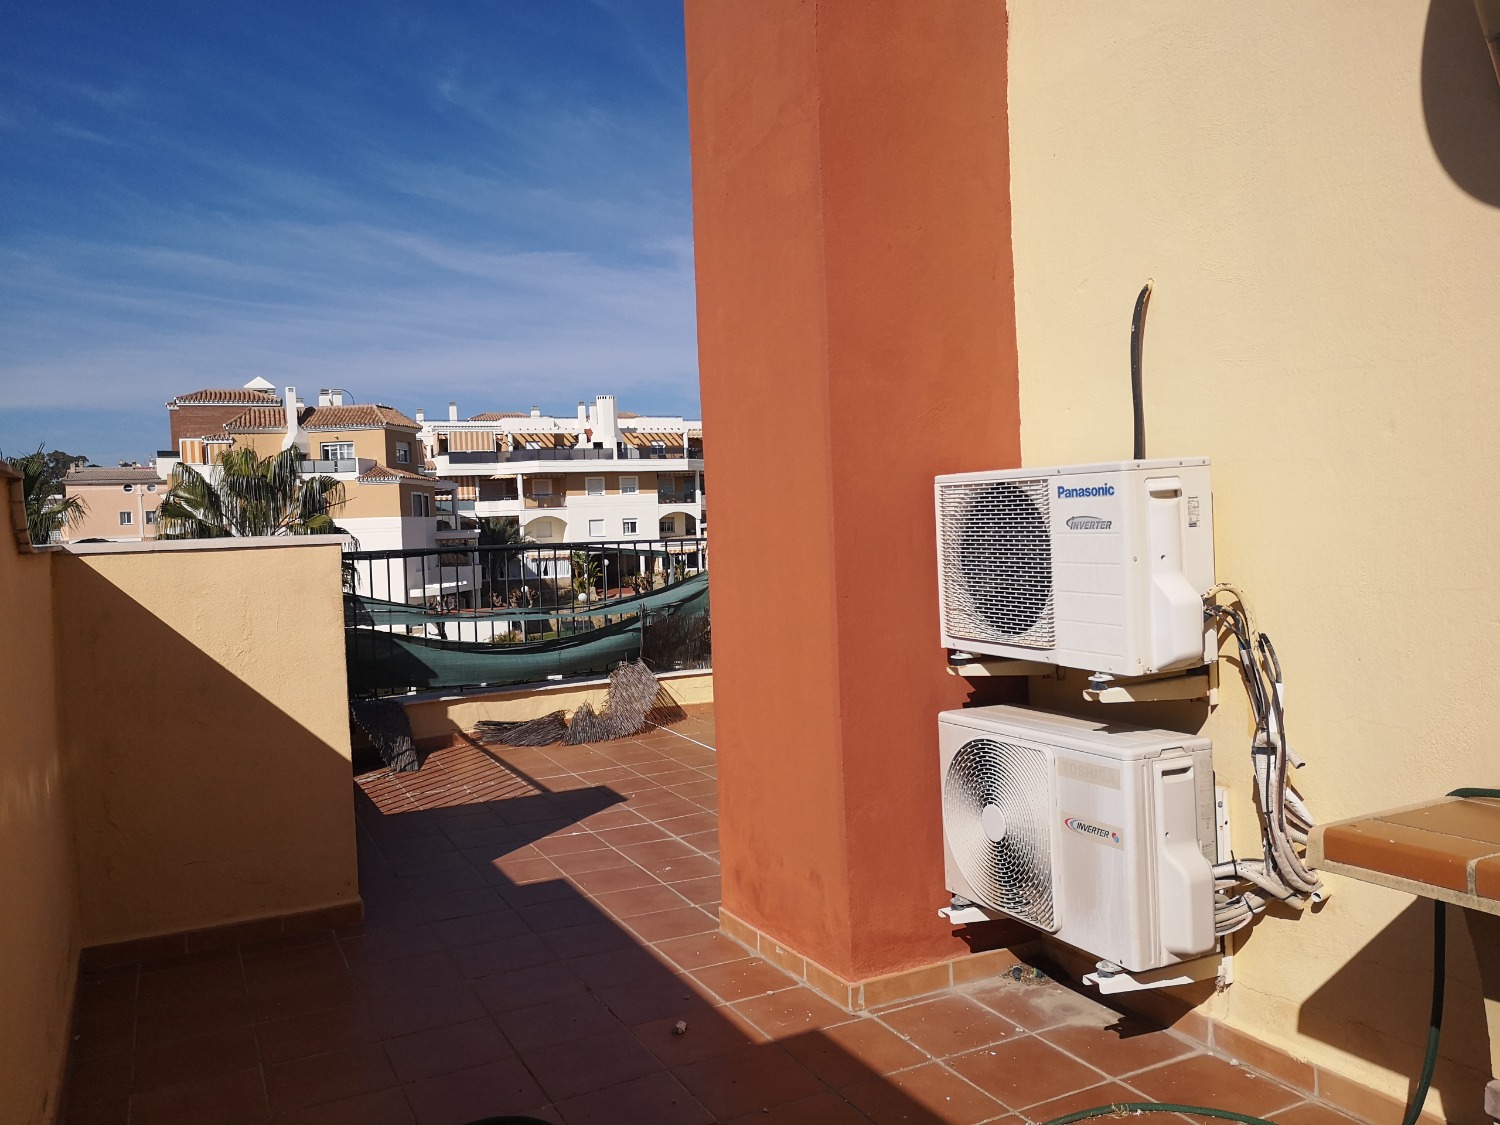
{"x":38,"y":899}
{"x":1315,"y":190}
{"x":204,"y":713}
{"x":437,"y":719}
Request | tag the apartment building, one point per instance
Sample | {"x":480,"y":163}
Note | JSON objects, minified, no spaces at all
{"x":391,"y":503}
{"x":119,"y":504}
{"x":599,"y":475}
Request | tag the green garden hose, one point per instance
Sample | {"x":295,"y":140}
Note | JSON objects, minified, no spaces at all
{"x":1429,"y":1061}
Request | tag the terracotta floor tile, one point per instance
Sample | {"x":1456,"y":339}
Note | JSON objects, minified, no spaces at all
{"x":690,"y":824}
{"x":655,"y":1098}
{"x":1206,"y":1080}
{"x":820,"y":1109}
{"x":930,"y":1093}
{"x":234,"y":1098}
{"x":597,"y":937}
{"x":107,"y":1111}
{"x":202,"y":1057}
{"x":598,"y":859}
{"x":752,"y":1078}
{"x":407,"y":1012}
{"x":1312,"y":1113}
{"x":182,"y":1018}
{"x":701,"y":950}
{"x":684,"y":868}
{"x":581,"y":1066}
{"x":1024,"y":1070}
{"x":560,"y":915}
{"x":1106,"y":1093}
{"x":617,"y":966}
{"x":740,"y":980}
{"x":702,"y":892}
{"x":949,"y":1025}
{"x":329,"y":1077}
{"x":105,"y":1035}
{"x":383,"y":1107}
{"x":504,"y":955}
{"x":613,"y":879}
{"x":1035,"y":1006}
{"x":672,"y":923}
{"x":715,"y":1031}
{"x":461,"y":1046}
{"x":392,"y":944}
{"x":503,"y":1087}
{"x":295,"y":998}
{"x":1122,"y":1048}
{"x":460,"y":904}
{"x":474,"y":929}
{"x":567,"y":844}
{"x":640,"y":900}
{"x":315,"y":1033}
{"x":631,"y":834}
{"x":851,"y":1052}
{"x":791,"y":1011}
{"x":652,"y":996}
{"x":558,"y":1021}
{"x":704,"y":841}
{"x":523,"y":988}
{"x":101,"y":1077}
{"x":655,"y":851}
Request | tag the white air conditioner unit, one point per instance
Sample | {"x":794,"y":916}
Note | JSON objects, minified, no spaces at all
{"x":1103,"y":836}
{"x":1099,"y":567}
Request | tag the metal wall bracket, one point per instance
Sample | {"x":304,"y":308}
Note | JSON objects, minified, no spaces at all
{"x":1200,"y":683}
{"x":1170,"y":976}
{"x":971,"y":667}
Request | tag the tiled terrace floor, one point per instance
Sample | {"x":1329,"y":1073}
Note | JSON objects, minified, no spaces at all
{"x":535,"y":931}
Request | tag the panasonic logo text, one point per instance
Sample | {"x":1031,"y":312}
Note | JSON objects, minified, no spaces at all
{"x":1066,"y":493}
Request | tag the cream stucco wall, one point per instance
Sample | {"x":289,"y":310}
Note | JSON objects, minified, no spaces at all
{"x":38,"y":912}
{"x":205,"y":723}
{"x":1314,"y":190}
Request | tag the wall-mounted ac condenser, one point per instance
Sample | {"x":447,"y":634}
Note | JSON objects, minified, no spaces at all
{"x":1099,"y":567}
{"x":1103,"y":836}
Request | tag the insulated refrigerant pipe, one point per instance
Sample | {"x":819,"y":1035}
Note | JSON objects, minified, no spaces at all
{"x":1429,"y":1060}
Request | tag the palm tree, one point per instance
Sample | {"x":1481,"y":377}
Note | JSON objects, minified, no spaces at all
{"x":249,"y":495}
{"x":47,"y":510}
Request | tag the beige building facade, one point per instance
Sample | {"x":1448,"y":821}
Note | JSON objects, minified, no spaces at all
{"x":1314,"y":191}
{"x":118,"y":504}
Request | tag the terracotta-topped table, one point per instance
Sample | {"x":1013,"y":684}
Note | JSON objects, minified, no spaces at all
{"x":1447,"y":849}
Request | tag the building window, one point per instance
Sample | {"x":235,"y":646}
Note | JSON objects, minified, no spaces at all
{"x":421,"y":505}
{"x":596,"y":528}
{"x":541,"y":488}
{"x":594,"y":486}
{"x":150,"y":519}
{"x":338,"y":451}
{"x":531,"y":445}
{"x":151,"y":488}
{"x":127,"y":488}
{"x":403,"y":453}
{"x":629,"y":486}
{"x":668,"y":525}
{"x":629,"y":527}
{"x":127,"y":518}
{"x":658,"y":444}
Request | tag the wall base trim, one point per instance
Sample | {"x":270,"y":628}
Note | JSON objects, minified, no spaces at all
{"x":116,"y":954}
{"x":873,"y":992}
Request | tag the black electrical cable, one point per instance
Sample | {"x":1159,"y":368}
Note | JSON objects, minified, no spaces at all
{"x":1137,"y":333}
{"x":1429,"y":1059}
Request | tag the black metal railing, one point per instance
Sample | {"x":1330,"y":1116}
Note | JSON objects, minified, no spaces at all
{"x":446,"y":617}
{"x":676,"y":496}
{"x":571,"y":453}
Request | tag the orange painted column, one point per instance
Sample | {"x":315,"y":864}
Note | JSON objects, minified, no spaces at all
{"x":856,"y":337}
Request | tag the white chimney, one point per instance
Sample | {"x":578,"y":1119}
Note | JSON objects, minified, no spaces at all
{"x":333,"y":396}
{"x":453,"y":412}
{"x":295,"y":434}
{"x":583,"y":413}
{"x":536,"y":411}
{"x":421,"y":415}
{"x":607,"y":422}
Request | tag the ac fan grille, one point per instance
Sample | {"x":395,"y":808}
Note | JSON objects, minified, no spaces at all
{"x":996,"y":541}
{"x":1013,"y":874}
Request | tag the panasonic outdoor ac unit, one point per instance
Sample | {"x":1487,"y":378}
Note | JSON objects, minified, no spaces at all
{"x":1099,"y":567}
{"x":1102,"y":836}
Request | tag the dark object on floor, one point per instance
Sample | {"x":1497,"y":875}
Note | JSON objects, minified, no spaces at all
{"x":389,"y":731}
{"x":534,"y":732}
{"x":587,"y":725}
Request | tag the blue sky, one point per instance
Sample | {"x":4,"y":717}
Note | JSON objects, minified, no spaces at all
{"x":419,"y":202}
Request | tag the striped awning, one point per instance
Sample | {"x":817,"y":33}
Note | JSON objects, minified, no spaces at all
{"x":467,"y":490}
{"x":542,"y":441}
{"x":470,"y":441}
{"x":644,"y":440}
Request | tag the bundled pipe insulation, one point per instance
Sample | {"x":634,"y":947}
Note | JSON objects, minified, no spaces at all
{"x":1245,"y":887}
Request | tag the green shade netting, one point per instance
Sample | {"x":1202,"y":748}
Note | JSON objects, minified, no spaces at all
{"x":381,"y":662}
{"x":375,"y":613}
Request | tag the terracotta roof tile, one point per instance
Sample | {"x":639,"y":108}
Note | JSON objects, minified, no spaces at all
{"x":498,"y":415}
{"x":225,"y":396}
{"x":377,"y":474}
{"x":367,"y":416}
{"x":139,"y":474}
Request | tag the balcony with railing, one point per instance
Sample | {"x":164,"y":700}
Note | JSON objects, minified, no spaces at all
{"x":328,"y":466}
